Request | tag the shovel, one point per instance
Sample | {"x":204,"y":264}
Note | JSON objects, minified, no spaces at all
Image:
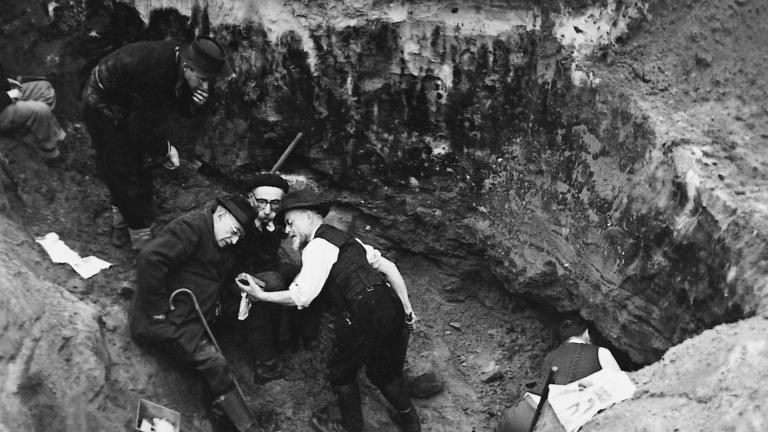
{"x":285,"y":154}
{"x":551,"y":376}
{"x":208,"y":170}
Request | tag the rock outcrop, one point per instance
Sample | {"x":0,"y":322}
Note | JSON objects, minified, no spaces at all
{"x":714,"y":381}
{"x":53,"y":361}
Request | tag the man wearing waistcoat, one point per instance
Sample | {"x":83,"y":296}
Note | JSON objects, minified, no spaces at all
{"x":126,"y":101}
{"x":373,"y":312}
{"x":575,"y":359}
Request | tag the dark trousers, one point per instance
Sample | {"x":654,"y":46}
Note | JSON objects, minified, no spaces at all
{"x":119,"y":164}
{"x":371,"y":333}
{"x":273,"y":327}
{"x":188,"y":342}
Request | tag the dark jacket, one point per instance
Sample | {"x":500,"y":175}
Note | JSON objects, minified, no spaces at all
{"x":259,"y":250}
{"x":351,"y":274}
{"x":184,"y":255}
{"x":138,"y":84}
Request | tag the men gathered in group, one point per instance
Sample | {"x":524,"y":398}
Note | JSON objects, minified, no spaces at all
{"x":575,"y":359}
{"x":373,"y":311}
{"x":26,"y":109}
{"x":194,"y":252}
{"x":125,"y":103}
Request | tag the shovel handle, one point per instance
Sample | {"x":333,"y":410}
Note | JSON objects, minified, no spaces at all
{"x":551,"y":376}
{"x":287,"y":152}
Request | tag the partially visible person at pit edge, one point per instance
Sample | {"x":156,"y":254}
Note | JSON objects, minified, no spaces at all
{"x":575,"y":359}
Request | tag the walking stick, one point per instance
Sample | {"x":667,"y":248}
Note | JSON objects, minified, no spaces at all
{"x":551,"y":375}
{"x":207,"y":329}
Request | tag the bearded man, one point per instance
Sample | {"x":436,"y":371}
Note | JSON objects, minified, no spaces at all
{"x":372,"y":308}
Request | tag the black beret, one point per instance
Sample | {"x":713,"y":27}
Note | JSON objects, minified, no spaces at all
{"x":268,"y":179}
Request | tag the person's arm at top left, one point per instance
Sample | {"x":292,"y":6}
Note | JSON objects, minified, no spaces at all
{"x":317,"y":259}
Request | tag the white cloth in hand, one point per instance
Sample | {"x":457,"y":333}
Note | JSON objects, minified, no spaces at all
{"x":245,"y":306}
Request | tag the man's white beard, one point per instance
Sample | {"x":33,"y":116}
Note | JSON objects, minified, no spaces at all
{"x":296,"y":243}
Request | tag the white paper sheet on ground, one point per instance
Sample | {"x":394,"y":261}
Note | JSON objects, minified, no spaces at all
{"x":576,"y":403}
{"x":57,"y":250}
{"x":61,"y":253}
{"x":89,"y":266}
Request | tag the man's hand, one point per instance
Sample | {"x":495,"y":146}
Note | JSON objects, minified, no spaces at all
{"x":14,"y":94}
{"x":199,"y":96}
{"x":410,"y":320}
{"x":251,"y":285}
{"x":172,"y":159}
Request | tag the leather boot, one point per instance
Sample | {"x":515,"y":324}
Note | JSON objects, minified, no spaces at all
{"x":140,"y":237}
{"x":269,"y":370}
{"x":120,"y":236}
{"x":348,"y":397}
{"x":408,"y":420}
{"x":396,"y":394}
{"x":322,"y":425}
{"x":235,"y":408}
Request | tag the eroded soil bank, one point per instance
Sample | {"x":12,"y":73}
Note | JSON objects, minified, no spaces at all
{"x":515,"y":160}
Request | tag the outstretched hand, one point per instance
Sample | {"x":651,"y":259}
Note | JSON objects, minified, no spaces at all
{"x":254,"y":287}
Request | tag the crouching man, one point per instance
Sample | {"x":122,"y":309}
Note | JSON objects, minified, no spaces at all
{"x":26,"y":109}
{"x":371,"y":302}
{"x":193,"y":252}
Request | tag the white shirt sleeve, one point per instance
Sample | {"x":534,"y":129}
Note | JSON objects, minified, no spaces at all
{"x":317,"y":258}
{"x":371,"y":254}
{"x":606,"y":359}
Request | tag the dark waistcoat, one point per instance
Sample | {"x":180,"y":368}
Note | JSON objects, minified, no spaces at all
{"x":574,"y":361}
{"x":351,"y":274}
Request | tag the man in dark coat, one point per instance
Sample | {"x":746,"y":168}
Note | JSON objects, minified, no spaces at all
{"x":575,"y":359}
{"x":259,"y":255}
{"x":126,"y":100}
{"x":193,"y":252}
{"x":275,"y":326}
{"x":371,"y":302}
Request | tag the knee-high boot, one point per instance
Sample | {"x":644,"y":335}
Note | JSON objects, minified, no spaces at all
{"x":234,"y":407}
{"x":348,"y":396}
{"x":396,"y":394}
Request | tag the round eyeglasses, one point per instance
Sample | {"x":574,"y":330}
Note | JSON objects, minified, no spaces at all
{"x":263,"y":203}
